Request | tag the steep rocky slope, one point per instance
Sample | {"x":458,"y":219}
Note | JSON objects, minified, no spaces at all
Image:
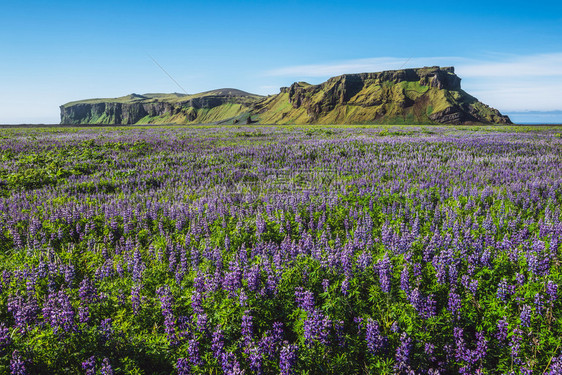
{"x":205,"y":107}
{"x":423,"y":95}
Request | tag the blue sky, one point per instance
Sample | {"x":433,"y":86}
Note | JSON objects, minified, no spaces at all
{"x":508,"y":53}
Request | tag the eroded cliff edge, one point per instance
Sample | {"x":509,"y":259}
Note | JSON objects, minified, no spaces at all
{"x":207,"y":107}
{"x":423,"y":95}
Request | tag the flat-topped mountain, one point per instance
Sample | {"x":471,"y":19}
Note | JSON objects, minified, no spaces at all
{"x":206,"y":107}
{"x":424,"y":95}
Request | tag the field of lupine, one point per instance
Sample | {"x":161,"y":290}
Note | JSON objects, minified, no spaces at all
{"x":278,"y":250}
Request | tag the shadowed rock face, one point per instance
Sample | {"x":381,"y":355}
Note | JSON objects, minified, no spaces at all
{"x":159,"y":108}
{"x":114,"y":113}
{"x":423,"y":95}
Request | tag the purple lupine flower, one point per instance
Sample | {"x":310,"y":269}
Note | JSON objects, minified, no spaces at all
{"x":17,"y":364}
{"x":473,"y":287}
{"x":273,"y":279}
{"x":89,"y":365}
{"x":106,"y":368}
{"x":375,"y":341}
{"x":417,"y":271}
{"x":287,"y":359}
{"x":538,"y":259}
{"x":405,"y":280}
{"x":233,"y":279}
{"x":230,"y":364}
{"x":183,"y":366}
{"x":316,"y":328}
{"x":429,"y":348}
{"x":135,"y":298}
{"x":193,"y":351}
{"x":197,"y":302}
{"x":255,"y":360}
{"x":501,"y":334}
{"x":217,"y":343}
{"x":485,"y":258}
{"x":461,"y":351}
{"x":551,"y":291}
{"x":364,"y":260}
{"x":481,"y":347}
{"x":5,"y":338}
{"x":454,"y":303}
{"x":402,"y":356}
{"x":138,"y":266}
{"x":201,"y":322}
{"x":515,"y":345}
{"x":465,"y":281}
{"x":253,"y":276}
{"x":83,"y":314}
{"x":106,"y":329}
{"x":87,"y":291}
{"x":384,"y":268}
{"x":345,"y":287}
{"x":429,"y":307}
{"x":166,"y":301}
{"x":503,"y":290}
{"x":526,"y":316}
{"x":539,"y":304}
{"x":247,"y":327}
{"x":170,"y":329}
{"x":325,"y":285}
{"x":416,"y":300}
{"x":277,"y":331}
{"x":305,"y":299}
{"x":268,"y":345}
{"x":69,"y":274}
{"x":242,"y":297}
{"x":58,"y":312}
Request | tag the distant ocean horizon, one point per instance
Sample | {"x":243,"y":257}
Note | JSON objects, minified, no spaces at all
{"x":535,"y":117}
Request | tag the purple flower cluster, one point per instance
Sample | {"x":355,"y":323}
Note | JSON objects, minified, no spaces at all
{"x":183,"y":367}
{"x":58,"y":312}
{"x":375,"y":340}
{"x":288,"y":359}
{"x":166,"y":301}
{"x":89,"y":366}
{"x":106,"y":368}
{"x":17,"y":364}
{"x":384,"y":269}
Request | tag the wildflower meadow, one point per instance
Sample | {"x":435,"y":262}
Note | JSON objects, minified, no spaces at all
{"x":281,"y":250}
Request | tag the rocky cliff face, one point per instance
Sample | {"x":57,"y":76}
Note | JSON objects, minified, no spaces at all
{"x":114,"y":113}
{"x":423,"y":95}
{"x":159,"y":108}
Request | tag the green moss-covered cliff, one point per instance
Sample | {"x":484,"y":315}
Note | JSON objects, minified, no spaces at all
{"x":207,"y":107}
{"x":423,"y":95}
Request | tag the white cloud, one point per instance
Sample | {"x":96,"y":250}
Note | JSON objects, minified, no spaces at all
{"x":507,"y":82}
{"x":375,"y":64}
{"x":543,"y":65}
